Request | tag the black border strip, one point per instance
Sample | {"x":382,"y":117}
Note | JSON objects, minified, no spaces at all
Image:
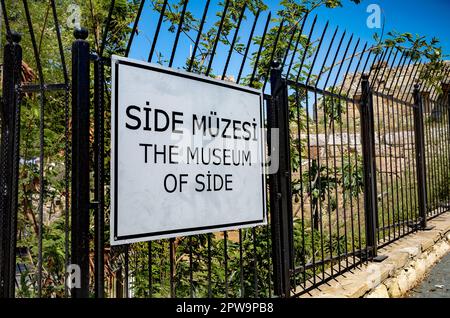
{"x":116,"y":151}
{"x":192,"y":229}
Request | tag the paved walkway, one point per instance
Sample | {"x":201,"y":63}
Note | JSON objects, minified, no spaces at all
{"x":437,"y":283}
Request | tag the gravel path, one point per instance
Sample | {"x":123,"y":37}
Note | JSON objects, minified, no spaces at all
{"x":437,"y":283}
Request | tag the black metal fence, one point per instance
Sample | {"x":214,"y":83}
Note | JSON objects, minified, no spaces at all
{"x":363,"y":153}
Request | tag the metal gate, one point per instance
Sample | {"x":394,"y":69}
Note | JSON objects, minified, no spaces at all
{"x":362,"y":152}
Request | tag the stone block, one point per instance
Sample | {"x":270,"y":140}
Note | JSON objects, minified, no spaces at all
{"x":378,"y":273}
{"x":380,"y":291}
{"x":314,"y":140}
{"x":402,"y":281}
{"x":426,"y":244}
{"x":411,"y":278}
{"x":398,"y":259}
{"x":412,"y":251}
{"x":390,"y":165}
{"x":355,"y":288}
{"x":399,"y":138}
{"x":393,"y":288}
{"x":346,"y":139}
{"x":431,"y":259}
{"x":420,"y":267}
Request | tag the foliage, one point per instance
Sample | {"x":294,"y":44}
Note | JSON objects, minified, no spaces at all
{"x":208,"y":37}
{"x":352,"y":175}
{"x":252,"y":278}
{"x":247,"y":266}
{"x":333,"y":107}
{"x":416,"y":47}
{"x":93,"y":14}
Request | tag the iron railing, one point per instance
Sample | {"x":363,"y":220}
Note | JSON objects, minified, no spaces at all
{"x":363,"y":154}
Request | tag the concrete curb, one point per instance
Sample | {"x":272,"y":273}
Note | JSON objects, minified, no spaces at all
{"x":408,"y":261}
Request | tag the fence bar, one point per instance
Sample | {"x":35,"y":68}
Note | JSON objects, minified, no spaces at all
{"x":280,"y":185}
{"x":99,"y":162}
{"x":9,"y":164}
{"x":133,"y":31}
{"x":447,"y":92}
{"x":80,"y":160}
{"x":420,"y":157}
{"x":119,"y":281}
{"x":448,"y":106}
{"x":155,"y":38}
{"x":217,"y":39}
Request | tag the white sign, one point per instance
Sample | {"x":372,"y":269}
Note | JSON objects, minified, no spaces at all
{"x":187,"y":154}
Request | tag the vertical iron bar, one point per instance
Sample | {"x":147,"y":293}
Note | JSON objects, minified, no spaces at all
{"x":133,"y":31}
{"x":209,"y":242}
{"x":172,"y":258}
{"x":241,"y":266}
{"x":258,"y":55}
{"x":60,"y":45}
{"x":216,"y":41}
{"x":99,"y":221}
{"x":106,"y":29}
{"x":127,"y":271}
{"x":66,"y":140}
{"x":247,"y":48}
{"x":233,"y":42}
{"x":302,"y":201}
{"x":191,"y":269}
{"x":413,"y":182}
{"x":390,"y":118}
{"x":380,"y":162}
{"x":6,"y":19}
{"x":199,"y":35}
{"x":80,"y":160}
{"x":288,"y":49}
{"x":158,"y":28}
{"x":177,"y":37}
{"x":447,"y":100}
{"x":410,"y":181}
{"x":296,"y":46}
{"x":9,"y":164}
{"x":225,"y":263}
{"x":41,"y":145}
{"x":255,"y":264}
{"x":14,"y":159}
{"x":272,"y":55}
{"x":150,"y":270}
{"x":119,"y":283}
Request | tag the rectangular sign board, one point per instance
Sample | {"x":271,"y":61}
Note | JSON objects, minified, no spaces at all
{"x":187,"y":154}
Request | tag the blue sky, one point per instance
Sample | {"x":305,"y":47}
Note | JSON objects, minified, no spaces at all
{"x":428,"y":18}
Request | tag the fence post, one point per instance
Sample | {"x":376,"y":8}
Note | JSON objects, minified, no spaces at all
{"x":99,"y":220}
{"x":80,"y":160}
{"x":280,"y":184}
{"x":119,"y":281}
{"x":420,"y":158}
{"x":447,"y":89}
{"x":9,"y":163}
{"x":369,"y":169}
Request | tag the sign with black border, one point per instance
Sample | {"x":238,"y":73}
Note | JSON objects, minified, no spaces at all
{"x":187,"y":154}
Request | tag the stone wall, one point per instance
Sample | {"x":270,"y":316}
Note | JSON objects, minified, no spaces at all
{"x":393,"y":151}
